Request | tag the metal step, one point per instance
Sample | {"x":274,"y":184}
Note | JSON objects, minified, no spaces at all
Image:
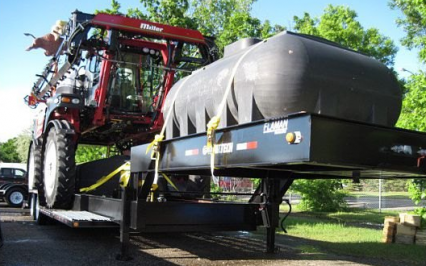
{"x":80,"y":219}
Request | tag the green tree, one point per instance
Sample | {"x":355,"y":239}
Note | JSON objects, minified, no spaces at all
{"x":8,"y":153}
{"x":88,"y":153}
{"x":414,"y":105}
{"x":413,"y":116}
{"x":226,"y":20}
{"x":339,"y":24}
{"x":115,"y":8}
{"x":413,"y":23}
{"x":320,"y":194}
{"x":22,"y":144}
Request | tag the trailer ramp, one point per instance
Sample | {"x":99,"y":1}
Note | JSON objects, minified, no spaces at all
{"x":79,"y":219}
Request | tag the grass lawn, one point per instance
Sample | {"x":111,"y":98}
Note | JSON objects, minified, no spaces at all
{"x":344,"y":233}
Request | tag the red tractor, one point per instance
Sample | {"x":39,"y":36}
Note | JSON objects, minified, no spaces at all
{"x":106,"y":85}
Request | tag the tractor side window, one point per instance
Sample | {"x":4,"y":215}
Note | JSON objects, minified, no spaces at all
{"x":135,"y":81}
{"x":94,"y":67}
{"x":187,"y":57}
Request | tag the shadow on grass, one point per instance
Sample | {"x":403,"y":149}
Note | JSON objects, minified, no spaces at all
{"x":370,"y":253}
{"x":251,"y":246}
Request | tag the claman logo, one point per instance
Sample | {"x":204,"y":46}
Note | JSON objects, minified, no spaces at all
{"x":145,"y":26}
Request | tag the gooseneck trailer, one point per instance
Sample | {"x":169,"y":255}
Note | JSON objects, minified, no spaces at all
{"x":278,"y":150}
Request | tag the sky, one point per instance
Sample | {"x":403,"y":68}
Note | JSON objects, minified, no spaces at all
{"x":18,"y":67}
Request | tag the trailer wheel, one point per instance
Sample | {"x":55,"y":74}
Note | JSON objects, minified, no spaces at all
{"x":38,"y":217}
{"x":33,"y":198}
{"x":59,"y":170}
{"x":34,"y":168}
{"x":15,"y":196}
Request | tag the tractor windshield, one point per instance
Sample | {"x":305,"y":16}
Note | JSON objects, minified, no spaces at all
{"x":134,"y":82}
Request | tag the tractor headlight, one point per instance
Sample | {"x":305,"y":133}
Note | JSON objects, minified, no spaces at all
{"x":75,"y":101}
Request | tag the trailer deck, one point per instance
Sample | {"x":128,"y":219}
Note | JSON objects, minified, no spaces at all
{"x":323,"y":147}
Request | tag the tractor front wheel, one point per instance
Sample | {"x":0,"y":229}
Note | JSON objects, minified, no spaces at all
{"x":59,"y":169}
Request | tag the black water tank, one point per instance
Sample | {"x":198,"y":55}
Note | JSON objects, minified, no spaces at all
{"x":285,"y":74}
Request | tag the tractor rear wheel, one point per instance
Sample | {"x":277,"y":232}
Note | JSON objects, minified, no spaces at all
{"x":59,"y":169}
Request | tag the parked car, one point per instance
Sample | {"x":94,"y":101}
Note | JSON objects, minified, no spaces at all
{"x":13,"y":183}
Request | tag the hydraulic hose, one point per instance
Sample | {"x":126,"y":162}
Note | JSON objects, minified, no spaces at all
{"x":285,"y":216}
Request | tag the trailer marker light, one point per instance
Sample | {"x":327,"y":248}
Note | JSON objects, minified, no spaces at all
{"x":252,"y":145}
{"x":75,"y":224}
{"x":290,"y":137}
{"x":192,"y":152}
{"x":293,"y":137}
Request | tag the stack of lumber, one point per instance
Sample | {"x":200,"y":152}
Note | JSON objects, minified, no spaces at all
{"x":403,"y":230}
{"x":421,"y":237}
{"x":389,"y":229}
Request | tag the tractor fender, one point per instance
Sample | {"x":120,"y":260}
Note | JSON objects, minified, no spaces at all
{"x":60,"y":126}
{"x":39,"y":122}
{"x":56,"y":102}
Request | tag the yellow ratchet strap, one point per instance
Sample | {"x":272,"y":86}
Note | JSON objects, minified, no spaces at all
{"x":170,"y":182}
{"x":211,"y":128}
{"x":155,"y":144}
{"x":124,"y":178}
{"x":214,"y":122}
{"x":155,"y":153}
{"x":104,"y":179}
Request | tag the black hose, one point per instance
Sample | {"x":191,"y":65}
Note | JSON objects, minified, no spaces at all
{"x":285,"y":216}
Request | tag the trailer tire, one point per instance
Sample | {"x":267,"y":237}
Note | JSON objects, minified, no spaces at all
{"x":59,"y":169}
{"x":35,"y":168}
{"x":38,"y":217}
{"x":15,"y":196}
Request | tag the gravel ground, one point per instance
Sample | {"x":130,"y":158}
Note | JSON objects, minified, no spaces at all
{"x":26,"y":243}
